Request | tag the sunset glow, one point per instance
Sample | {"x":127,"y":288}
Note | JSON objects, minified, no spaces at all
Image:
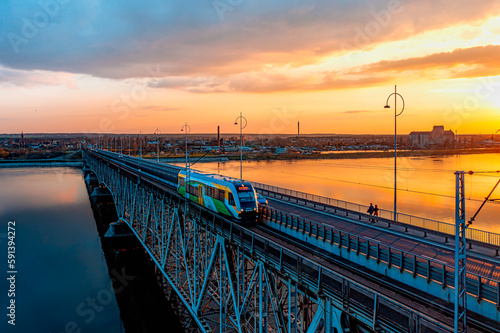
{"x":93,"y":66}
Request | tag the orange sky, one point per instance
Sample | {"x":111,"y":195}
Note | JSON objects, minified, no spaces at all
{"x":329,"y":65}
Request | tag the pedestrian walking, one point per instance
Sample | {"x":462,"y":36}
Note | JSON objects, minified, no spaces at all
{"x":370,"y":211}
{"x":375,"y":211}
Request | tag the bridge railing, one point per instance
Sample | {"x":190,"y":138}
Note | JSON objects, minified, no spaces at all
{"x":430,"y":269}
{"x":316,"y":276}
{"x":416,"y":221}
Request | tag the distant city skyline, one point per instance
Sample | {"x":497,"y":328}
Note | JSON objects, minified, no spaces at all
{"x":85,"y":66}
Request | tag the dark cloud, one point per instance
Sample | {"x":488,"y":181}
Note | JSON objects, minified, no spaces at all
{"x":120,"y":39}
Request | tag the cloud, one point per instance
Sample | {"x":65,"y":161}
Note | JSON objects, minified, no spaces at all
{"x":265,"y":82}
{"x":460,"y":63}
{"x":159,"y":108}
{"x":358,"y":111}
{"x":13,"y":77}
{"x":188,"y":39}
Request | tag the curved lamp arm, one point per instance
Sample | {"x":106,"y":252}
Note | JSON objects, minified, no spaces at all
{"x":387,"y":103}
{"x":243,"y":118}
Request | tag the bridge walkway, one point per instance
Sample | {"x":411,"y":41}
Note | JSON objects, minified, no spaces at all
{"x":481,"y":260}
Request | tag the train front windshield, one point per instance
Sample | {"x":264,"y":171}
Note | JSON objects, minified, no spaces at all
{"x":246,"y":195}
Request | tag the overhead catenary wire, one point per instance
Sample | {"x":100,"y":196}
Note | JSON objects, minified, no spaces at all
{"x":384,"y":187}
{"x":481,"y":173}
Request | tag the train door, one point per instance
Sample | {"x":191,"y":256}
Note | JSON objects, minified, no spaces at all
{"x":200,"y":193}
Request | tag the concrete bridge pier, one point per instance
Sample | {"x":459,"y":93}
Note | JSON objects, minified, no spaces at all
{"x":91,"y":182}
{"x":86,"y":171}
{"x":104,"y":208}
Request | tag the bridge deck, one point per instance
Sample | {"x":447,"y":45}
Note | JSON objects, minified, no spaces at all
{"x":481,"y":260}
{"x":477,"y":262}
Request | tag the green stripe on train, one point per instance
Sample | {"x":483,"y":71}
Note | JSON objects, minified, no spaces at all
{"x":182,"y":191}
{"x":219,"y":205}
{"x":221,"y":208}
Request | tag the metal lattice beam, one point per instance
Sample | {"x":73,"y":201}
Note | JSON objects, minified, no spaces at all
{"x":460,"y":320}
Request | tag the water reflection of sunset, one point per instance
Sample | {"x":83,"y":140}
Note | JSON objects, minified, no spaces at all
{"x":58,"y":185}
{"x":427,"y":184}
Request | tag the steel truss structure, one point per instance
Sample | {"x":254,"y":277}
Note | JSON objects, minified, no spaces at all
{"x":460,"y":320}
{"x":232,"y":279}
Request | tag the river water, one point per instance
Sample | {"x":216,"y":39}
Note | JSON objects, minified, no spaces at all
{"x":64,"y":277}
{"x":426,"y":184}
{"x":66,"y":280}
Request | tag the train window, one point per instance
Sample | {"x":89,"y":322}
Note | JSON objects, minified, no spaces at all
{"x":210,"y":191}
{"x":221,"y":195}
{"x":181,"y":181}
{"x":230,"y":199}
{"x":192,"y":190}
{"x":246,"y":196}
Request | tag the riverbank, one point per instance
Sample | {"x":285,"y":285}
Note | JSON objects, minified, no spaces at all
{"x":40,"y":163}
{"x":334,"y":155}
{"x":370,"y":154}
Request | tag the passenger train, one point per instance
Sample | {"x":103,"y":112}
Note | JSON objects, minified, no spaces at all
{"x":224,"y":195}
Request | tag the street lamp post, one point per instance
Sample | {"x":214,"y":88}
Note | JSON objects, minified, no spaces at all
{"x":157,"y":132}
{"x":186,"y":129}
{"x":140,"y":145}
{"x":241,"y":118}
{"x":396,"y":94}
{"x":493,"y":138}
{"x":140,"y":151}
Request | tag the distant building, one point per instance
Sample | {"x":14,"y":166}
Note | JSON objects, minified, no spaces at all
{"x":437,"y":137}
{"x":281,"y":150}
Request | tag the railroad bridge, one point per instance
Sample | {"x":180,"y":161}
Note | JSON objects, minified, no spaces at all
{"x":311,"y":264}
